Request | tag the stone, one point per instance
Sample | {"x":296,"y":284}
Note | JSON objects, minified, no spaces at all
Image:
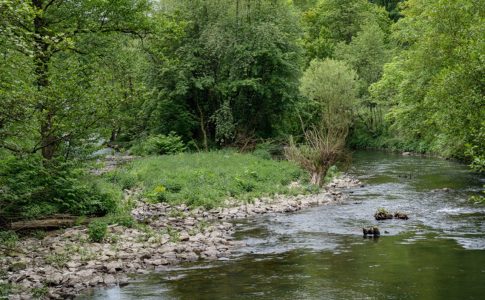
{"x":95,"y":280}
{"x":374,"y":231}
{"x":85,"y":273}
{"x":400,"y":215}
{"x":73,"y":264}
{"x":109,"y":279}
{"x":382,"y":214}
{"x":184,"y":236}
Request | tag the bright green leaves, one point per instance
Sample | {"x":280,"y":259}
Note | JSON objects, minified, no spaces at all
{"x":435,"y":84}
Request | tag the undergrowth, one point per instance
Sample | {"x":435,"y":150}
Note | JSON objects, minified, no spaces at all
{"x":207,"y":179}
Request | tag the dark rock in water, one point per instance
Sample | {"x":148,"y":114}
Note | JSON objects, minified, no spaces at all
{"x":400,"y":215}
{"x":374,"y":231}
{"x":382,"y":214}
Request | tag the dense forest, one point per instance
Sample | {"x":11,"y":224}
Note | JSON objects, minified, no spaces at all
{"x":168,"y":76}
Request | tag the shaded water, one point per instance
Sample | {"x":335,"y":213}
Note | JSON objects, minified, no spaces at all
{"x":319,"y":253}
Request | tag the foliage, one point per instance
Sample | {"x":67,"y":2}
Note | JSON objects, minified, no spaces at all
{"x":392,"y":6}
{"x":31,"y":190}
{"x":207,"y":179}
{"x":433,"y":87}
{"x":223,"y":68}
{"x":5,"y":289}
{"x":54,"y":77}
{"x":97,"y":231}
{"x":57,"y":259}
{"x":332,"y":87}
{"x":476,"y":150}
{"x":159,"y":145}
{"x":8,"y":240}
{"x":334,"y":21}
{"x":268,"y":150}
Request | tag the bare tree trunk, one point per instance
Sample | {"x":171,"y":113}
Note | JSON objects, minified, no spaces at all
{"x":316,"y":178}
{"x":202,"y":126}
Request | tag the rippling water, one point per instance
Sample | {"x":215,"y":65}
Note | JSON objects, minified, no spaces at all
{"x":319,"y":253}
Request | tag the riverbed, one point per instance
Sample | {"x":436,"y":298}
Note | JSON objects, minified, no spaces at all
{"x":319,"y":253}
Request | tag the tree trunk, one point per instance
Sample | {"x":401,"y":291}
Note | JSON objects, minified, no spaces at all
{"x":48,"y":142}
{"x":202,"y":126}
{"x":316,"y":178}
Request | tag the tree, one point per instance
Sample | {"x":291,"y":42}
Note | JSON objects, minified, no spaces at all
{"x":334,"y":21}
{"x":434,"y":86}
{"x":224,"y":68}
{"x":64,"y":41}
{"x":367,"y":53}
{"x":392,"y":6}
{"x":331,"y":86}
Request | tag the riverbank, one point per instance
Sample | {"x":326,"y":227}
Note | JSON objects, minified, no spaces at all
{"x":64,"y":263}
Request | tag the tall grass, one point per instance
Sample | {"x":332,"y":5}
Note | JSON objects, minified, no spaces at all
{"x":207,"y":179}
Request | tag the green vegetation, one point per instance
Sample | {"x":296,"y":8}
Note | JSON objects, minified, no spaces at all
{"x":159,"y":144}
{"x":207,"y":179}
{"x":97,"y":231}
{"x":331,"y":87}
{"x":31,"y":189}
{"x":164,"y":77}
{"x":8,"y":240}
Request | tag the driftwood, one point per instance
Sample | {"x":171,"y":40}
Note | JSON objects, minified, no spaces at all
{"x":52,"y":222}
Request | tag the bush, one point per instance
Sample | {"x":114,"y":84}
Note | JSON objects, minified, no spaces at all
{"x":30,"y":190}
{"x":8,"y":239}
{"x":268,"y":150}
{"x":97,"y":231}
{"x":159,"y":145}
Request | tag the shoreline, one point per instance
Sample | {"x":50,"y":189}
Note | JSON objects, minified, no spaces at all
{"x":65,"y":264}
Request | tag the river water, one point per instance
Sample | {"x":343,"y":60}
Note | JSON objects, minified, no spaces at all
{"x":319,"y":253}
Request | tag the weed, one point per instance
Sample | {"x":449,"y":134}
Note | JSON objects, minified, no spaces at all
{"x":40,"y":292}
{"x":97,"y":231}
{"x":5,"y":289}
{"x":208,"y":179}
{"x":58,"y":260}
{"x":8,"y":239}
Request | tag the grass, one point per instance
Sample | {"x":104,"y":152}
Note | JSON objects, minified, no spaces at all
{"x":207,"y":179}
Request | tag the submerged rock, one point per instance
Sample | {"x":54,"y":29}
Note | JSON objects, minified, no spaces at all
{"x":382,"y":214}
{"x":400,"y":215}
{"x":374,"y":231}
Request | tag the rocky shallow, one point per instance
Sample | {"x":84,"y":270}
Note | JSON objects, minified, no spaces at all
{"x":64,"y":263}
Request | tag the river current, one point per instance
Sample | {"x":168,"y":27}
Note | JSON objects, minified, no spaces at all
{"x":319,"y":253}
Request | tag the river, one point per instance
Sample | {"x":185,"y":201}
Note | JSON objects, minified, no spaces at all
{"x":319,"y":253}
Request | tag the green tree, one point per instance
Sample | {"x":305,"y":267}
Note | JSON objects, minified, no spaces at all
{"x":224,"y":68}
{"x":434,"y":86}
{"x":65,"y":42}
{"x":392,"y":6}
{"x":334,"y":21}
{"x":367,"y":53}
{"x":331,"y":87}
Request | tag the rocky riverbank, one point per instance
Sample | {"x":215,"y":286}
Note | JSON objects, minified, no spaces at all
{"x":64,"y":263}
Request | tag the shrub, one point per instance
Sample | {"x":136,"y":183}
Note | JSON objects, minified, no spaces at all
{"x":8,"y":239}
{"x":5,"y":289}
{"x":159,"y":194}
{"x":31,"y":189}
{"x":97,"y":231}
{"x":159,"y":145}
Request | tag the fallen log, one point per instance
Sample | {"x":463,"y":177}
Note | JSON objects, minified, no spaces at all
{"x":53,"y":222}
